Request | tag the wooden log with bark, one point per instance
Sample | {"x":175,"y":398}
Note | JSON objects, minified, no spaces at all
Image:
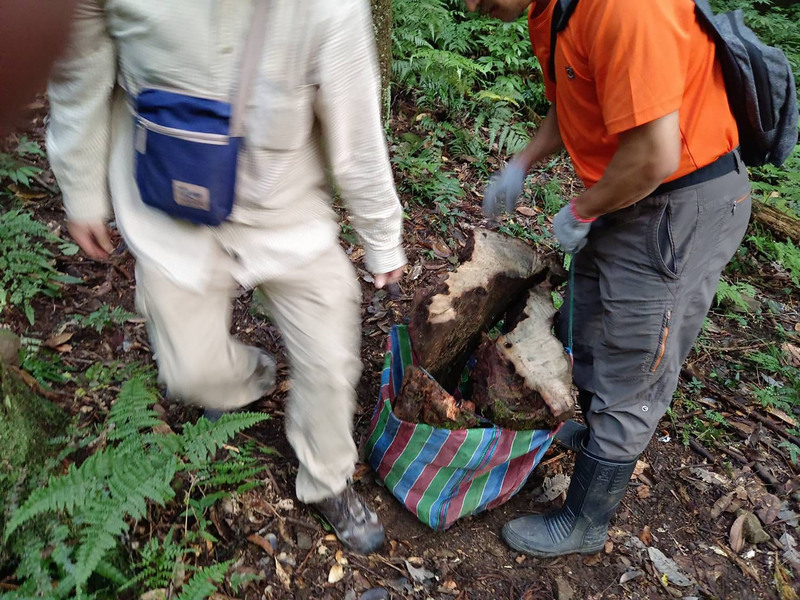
{"x":446,"y":321}
{"x":422,"y":400}
{"x":523,"y":379}
{"x":781,"y":224}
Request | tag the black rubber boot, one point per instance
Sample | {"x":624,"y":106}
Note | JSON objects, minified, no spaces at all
{"x":572,"y":435}
{"x":581,"y":525}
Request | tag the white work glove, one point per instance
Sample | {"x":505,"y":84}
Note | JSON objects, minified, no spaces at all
{"x":504,"y":189}
{"x":570,"y":229}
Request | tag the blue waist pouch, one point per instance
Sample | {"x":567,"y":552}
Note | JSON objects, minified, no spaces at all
{"x":187,"y":146}
{"x":185,"y":155}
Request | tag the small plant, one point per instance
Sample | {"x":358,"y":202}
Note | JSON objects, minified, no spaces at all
{"x":27,"y":266}
{"x":103,"y":318}
{"x":735,"y":295}
{"x":15,"y":168}
{"x":45,"y":366}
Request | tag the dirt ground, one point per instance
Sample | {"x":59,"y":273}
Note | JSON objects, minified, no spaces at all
{"x":683,"y":500}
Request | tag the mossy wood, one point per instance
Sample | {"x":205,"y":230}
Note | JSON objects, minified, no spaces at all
{"x":422,"y":400}
{"x":446,"y":321}
{"x":27,"y":422}
{"x":523,"y":379}
{"x":781,"y":224}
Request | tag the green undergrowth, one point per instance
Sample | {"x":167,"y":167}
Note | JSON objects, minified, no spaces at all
{"x":68,"y":525}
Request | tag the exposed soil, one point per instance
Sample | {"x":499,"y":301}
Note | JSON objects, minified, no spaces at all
{"x":668,"y":506}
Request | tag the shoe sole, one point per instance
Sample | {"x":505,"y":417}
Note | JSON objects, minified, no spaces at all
{"x":517,"y":544}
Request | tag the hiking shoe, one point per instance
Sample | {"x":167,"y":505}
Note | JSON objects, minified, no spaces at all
{"x":581,"y":524}
{"x":354,"y":522}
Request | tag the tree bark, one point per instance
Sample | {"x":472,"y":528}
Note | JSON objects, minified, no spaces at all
{"x":523,"y":379}
{"x":382,"y":22}
{"x":447,"y":321}
{"x":783,"y":225}
{"x":422,"y":400}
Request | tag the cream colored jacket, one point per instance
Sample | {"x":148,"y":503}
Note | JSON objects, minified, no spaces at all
{"x":313,"y":115}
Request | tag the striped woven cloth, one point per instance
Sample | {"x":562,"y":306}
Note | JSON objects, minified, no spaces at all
{"x":438,"y":474}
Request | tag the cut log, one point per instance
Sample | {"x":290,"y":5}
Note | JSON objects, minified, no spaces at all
{"x":783,"y":225}
{"x":422,"y":400}
{"x":446,"y":321}
{"x":523,"y":379}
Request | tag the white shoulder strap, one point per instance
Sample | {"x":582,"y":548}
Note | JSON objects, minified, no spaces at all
{"x":250,"y":60}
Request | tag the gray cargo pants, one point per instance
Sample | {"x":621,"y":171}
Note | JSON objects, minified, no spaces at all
{"x":643,"y":286}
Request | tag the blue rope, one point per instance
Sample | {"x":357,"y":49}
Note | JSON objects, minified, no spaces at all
{"x":571,"y":305}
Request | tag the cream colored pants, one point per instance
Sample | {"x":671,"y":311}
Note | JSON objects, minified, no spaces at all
{"x":317,"y":311}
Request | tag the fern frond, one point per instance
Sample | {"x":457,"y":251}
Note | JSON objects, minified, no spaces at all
{"x":64,"y":492}
{"x":204,"y":438}
{"x":205,"y":582}
{"x":132,"y":412}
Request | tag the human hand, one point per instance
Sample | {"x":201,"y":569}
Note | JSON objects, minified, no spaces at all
{"x":384,"y":279}
{"x":504,"y":189}
{"x":571,"y":229}
{"x":93,"y":238}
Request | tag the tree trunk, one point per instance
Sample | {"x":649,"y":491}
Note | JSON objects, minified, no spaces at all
{"x":447,"y":321}
{"x":783,"y":225}
{"x":27,"y":422}
{"x":382,"y":21}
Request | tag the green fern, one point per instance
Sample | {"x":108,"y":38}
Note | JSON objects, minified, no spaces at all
{"x":205,"y":582}
{"x":27,"y":267}
{"x":104,"y":317}
{"x":132,"y":413}
{"x":735,"y":295}
{"x":204,"y":438}
{"x":116,"y":486}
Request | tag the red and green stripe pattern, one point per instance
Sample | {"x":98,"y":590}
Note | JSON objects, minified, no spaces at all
{"x":438,"y":474}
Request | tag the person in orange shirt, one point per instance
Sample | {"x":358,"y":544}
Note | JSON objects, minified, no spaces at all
{"x":639,"y":102}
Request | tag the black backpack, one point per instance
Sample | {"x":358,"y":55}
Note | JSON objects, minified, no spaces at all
{"x":758,"y":79}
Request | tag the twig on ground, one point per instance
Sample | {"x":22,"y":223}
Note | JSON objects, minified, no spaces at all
{"x":700,"y":449}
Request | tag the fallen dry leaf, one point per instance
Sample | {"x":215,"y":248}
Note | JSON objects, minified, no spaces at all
{"x":58,"y":340}
{"x":608,"y":548}
{"x":721,"y":505}
{"x":336,"y":573}
{"x":640,"y":468}
{"x":667,"y":567}
{"x":737,"y":534}
{"x":710,"y":477}
{"x":643,"y":492}
{"x":553,"y":487}
{"x":283,"y":576}
{"x":262,"y":543}
{"x":779,"y":414}
{"x":769,"y":509}
{"x":792,"y":353}
{"x":645,"y":536}
{"x":526,"y":211}
{"x":419,"y":574}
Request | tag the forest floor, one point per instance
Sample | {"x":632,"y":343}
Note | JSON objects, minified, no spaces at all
{"x":716,"y":458}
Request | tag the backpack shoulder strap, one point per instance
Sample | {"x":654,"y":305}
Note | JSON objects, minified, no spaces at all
{"x":561,"y":14}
